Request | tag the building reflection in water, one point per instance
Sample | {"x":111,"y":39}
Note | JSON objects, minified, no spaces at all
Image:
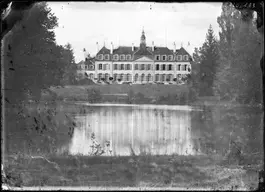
{"x":141,"y":130}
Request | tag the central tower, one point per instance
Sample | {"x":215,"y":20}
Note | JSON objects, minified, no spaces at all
{"x":143,"y":41}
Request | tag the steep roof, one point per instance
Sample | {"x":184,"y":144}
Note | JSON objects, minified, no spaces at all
{"x":104,"y":50}
{"x":142,"y":52}
{"x":137,"y":53}
{"x":182,"y":51}
{"x":162,"y":51}
{"x":124,"y":50}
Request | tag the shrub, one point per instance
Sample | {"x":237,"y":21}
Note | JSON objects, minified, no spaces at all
{"x":85,"y":82}
{"x":94,"y":95}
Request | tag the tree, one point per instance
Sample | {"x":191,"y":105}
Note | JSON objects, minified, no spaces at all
{"x":32,"y":63}
{"x":33,"y":60}
{"x":12,"y":12}
{"x":70,"y":65}
{"x":208,"y":56}
{"x":238,"y":76}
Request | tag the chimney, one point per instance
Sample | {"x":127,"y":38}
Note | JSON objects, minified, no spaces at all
{"x":97,"y":47}
{"x":132,"y":47}
{"x":153,"y":46}
{"x":85,"y":53}
{"x":174,"y":47}
{"x":111,"y":48}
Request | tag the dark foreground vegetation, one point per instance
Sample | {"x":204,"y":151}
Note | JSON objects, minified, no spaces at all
{"x":134,"y":171}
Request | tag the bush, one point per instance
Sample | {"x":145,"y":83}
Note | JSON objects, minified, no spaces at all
{"x":85,"y":82}
{"x":94,"y":95}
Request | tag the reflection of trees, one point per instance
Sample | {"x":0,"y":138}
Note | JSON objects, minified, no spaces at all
{"x":237,"y":128}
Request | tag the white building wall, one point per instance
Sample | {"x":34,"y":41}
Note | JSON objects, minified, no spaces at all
{"x":111,"y":71}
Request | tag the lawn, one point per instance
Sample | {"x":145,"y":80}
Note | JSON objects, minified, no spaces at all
{"x":133,"y":171}
{"x":147,"y":90}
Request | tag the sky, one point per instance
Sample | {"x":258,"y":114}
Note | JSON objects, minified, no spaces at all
{"x":83,"y":24}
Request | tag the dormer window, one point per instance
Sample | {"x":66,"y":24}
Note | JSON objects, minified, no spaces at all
{"x":122,"y":57}
{"x":100,"y":57}
{"x":106,"y":57}
{"x":170,"y":57}
{"x":186,"y":57}
{"x":91,"y":67}
{"x":179,"y":57}
{"x":116,"y":57}
{"x":164,"y":57}
{"x":128,"y":57}
{"x":157,"y":57}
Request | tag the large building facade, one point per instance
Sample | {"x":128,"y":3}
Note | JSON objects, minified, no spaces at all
{"x":141,"y":64}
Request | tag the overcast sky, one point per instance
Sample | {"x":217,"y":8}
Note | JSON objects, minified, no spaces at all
{"x":82,"y":24}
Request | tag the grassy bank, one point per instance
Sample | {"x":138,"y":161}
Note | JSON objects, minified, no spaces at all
{"x":133,"y":171}
{"x":135,"y":94}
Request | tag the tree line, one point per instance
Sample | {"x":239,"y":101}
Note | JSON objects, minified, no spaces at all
{"x":33,"y":60}
{"x":228,"y":66}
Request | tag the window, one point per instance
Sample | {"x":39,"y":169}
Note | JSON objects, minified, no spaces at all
{"x":164,"y":57}
{"x":149,"y":67}
{"x":115,"y":77}
{"x":186,"y":57}
{"x":157,"y":77}
{"x":128,"y":57}
{"x":122,"y":66}
{"x":100,"y":57}
{"x":116,"y":57}
{"x":100,"y":66}
{"x":149,"y":77}
{"x":157,"y":57}
{"x":179,"y":57}
{"x":170,"y":67}
{"x":164,"y":77}
{"x":136,"y":67}
{"x":142,"y":77}
{"x":115,"y":66}
{"x":106,"y":57}
{"x":122,"y":77}
{"x":85,"y":66}
{"x":128,"y":77}
{"x":164,"y":67}
{"x":185,"y":67}
{"x":157,"y":67}
{"x":170,"y":57}
{"x":179,"y":67}
{"x":142,"y":66}
{"x":91,"y":76}
{"x":122,"y":57}
{"x":99,"y":76}
{"x":136,"y":77}
{"x":104,"y":66}
{"x":128,"y":66}
{"x":106,"y":77}
{"x":168,"y":77}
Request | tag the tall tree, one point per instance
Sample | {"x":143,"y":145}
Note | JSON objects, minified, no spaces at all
{"x":33,"y":59}
{"x":69,"y":76}
{"x":238,"y":76}
{"x":208,"y":63}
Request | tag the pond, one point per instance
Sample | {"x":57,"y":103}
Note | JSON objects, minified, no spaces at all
{"x":124,"y":130}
